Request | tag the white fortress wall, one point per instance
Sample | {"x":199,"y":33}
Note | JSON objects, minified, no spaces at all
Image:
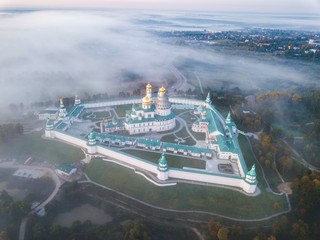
{"x":203,"y":177}
{"x":128,"y":159}
{"x":152,"y":167}
{"x":69,"y":138}
{"x":185,"y":101}
{"x":114,"y":102}
{"x":108,"y":152}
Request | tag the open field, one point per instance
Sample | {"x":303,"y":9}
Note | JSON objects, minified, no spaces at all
{"x":34,"y":145}
{"x":173,"y":161}
{"x":184,"y":196}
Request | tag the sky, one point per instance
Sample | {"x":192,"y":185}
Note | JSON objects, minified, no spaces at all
{"x":291,"y":6}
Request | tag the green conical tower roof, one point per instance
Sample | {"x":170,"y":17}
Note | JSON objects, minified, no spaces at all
{"x":92,"y":135}
{"x":114,"y":119}
{"x":252,"y":172}
{"x":163,"y":159}
{"x":163,"y":165}
{"x":49,"y":123}
{"x":208,"y":99}
{"x":228,"y":119}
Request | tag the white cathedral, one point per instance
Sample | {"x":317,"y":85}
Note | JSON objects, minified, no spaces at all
{"x":150,"y":117}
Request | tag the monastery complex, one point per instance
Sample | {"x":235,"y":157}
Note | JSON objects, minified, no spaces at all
{"x":155,"y":115}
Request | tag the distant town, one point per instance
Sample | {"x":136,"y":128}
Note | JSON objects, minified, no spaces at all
{"x":288,"y":43}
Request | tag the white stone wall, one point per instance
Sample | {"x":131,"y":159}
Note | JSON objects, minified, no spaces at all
{"x":179,"y":174}
{"x":138,"y":100}
{"x":112,"y":102}
{"x":185,"y":101}
{"x":128,"y":159}
{"x":74,"y":140}
{"x":193,"y":176}
{"x":45,"y":116}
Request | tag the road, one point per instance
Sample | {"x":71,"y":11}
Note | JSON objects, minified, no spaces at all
{"x":200,"y":84}
{"x":301,"y":160}
{"x":179,"y":76}
{"x":53,"y":176}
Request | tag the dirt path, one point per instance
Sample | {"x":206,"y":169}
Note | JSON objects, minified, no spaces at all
{"x":196,"y":231}
{"x":302,"y":161}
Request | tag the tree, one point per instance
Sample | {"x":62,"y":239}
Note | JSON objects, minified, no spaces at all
{"x":223,"y":233}
{"x":276,"y":206}
{"x":39,"y":231}
{"x":55,"y":231}
{"x":260,"y":97}
{"x":267,"y":163}
{"x":271,"y":238}
{"x":285,"y":163}
{"x":236,"y":232}
{"x":296,"y":98}
{"x":283,"y":222}
{"x":300,"y":230}
{"x":4,"y":235}
{"x":213,"y":227}
{"x":134,"y":230}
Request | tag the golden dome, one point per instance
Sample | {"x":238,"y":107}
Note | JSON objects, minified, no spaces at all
{"x":146,"y":100}
{"x":61,"y":101}
{"x":162,"y":89}
{"x":149,"y":86}
{"x":204,"y":112}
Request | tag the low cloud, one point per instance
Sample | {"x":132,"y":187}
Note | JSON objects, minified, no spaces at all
{"x":48,"y":54}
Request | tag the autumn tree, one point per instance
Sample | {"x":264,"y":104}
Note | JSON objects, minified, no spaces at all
{"x":213,"y":228}
{"x":300,"y":230}
{"x":223,"y":233}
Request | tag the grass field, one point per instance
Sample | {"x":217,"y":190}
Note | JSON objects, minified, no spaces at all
{"x":173,"y":161}
{"x":104,"y":114}
{"x":98,"y":116}
{"x":181,"y":134}
{"x":32,"y":144}
{"x":188,"y":117}
{"x":271,"y":176}
{"x":249,"y":159}
{"x":184,"y":196}
{"x":121,"y":109}
{"x":198,"y":135}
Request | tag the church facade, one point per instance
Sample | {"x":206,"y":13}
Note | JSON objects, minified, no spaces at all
{"x":149,"y":116}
